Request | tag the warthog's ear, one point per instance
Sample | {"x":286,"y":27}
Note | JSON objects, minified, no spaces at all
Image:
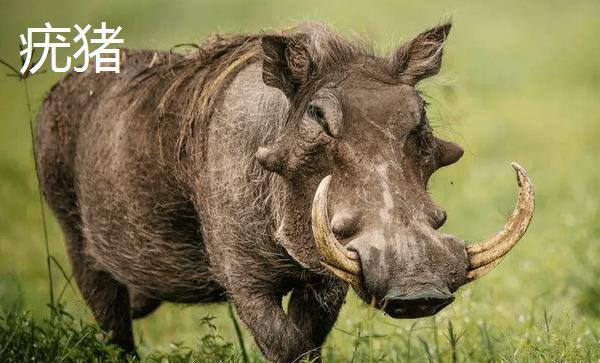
{"x":421,"y":57}
{"x":286,"y":62}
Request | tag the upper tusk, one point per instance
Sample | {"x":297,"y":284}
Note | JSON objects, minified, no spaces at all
{"x":336,"y":258}
{"x":485,"y":255}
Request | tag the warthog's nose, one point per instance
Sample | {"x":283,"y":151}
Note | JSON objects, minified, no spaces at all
{"x":417,"y":304}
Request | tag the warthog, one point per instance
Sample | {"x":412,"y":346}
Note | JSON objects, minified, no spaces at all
{"x":210,"y":176}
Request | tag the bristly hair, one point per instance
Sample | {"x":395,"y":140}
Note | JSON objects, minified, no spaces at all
{"x":187,"y":88}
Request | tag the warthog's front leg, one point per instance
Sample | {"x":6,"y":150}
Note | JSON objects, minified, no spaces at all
{"x":275,"y":333}
{"x":282,"y":337}
{"x":314,"y":310}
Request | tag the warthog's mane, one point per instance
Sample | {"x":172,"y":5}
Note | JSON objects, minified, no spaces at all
{"x":188,"y":87}
{"x":185,"y":87}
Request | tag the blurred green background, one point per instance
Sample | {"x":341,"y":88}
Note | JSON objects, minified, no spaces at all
{"x":520,"y":81}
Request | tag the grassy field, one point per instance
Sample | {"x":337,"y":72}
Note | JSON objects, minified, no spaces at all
{"x":521,"y":81}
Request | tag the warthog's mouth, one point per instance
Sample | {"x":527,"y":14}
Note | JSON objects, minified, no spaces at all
{"x":416,"y":305}
{"x":482,"y":257}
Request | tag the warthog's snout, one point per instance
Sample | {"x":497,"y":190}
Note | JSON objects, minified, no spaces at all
{"x":410,"y":271}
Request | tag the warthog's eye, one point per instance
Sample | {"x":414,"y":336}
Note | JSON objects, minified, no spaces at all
{"x":423,"y":137}
{"x":318,"y":114}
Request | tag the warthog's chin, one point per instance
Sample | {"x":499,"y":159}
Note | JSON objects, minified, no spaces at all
{"x":482,"y":257}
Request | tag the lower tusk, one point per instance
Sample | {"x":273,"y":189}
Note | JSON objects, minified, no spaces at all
{"x":349,"y":278}
{"x":480,"y":271}
{"x":385,"y":304}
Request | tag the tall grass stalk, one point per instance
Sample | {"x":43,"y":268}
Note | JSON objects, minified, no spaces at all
{"x":24,"y":77}
{"x":453,"y":339}
{"x":238,"y":333}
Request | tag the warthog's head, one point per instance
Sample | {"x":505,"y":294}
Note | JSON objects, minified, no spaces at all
{"x":357,"y":151}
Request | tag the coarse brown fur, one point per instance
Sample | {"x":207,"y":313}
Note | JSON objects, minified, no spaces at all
{"x":153,"y":176}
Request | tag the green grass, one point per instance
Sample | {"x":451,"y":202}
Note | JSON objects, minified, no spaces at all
{"x":62,"y":338}
{"x":520,"y":82}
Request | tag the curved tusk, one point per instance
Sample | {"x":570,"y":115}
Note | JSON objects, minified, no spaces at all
{"x":342,"y":262}
{"x":484,"y":256}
